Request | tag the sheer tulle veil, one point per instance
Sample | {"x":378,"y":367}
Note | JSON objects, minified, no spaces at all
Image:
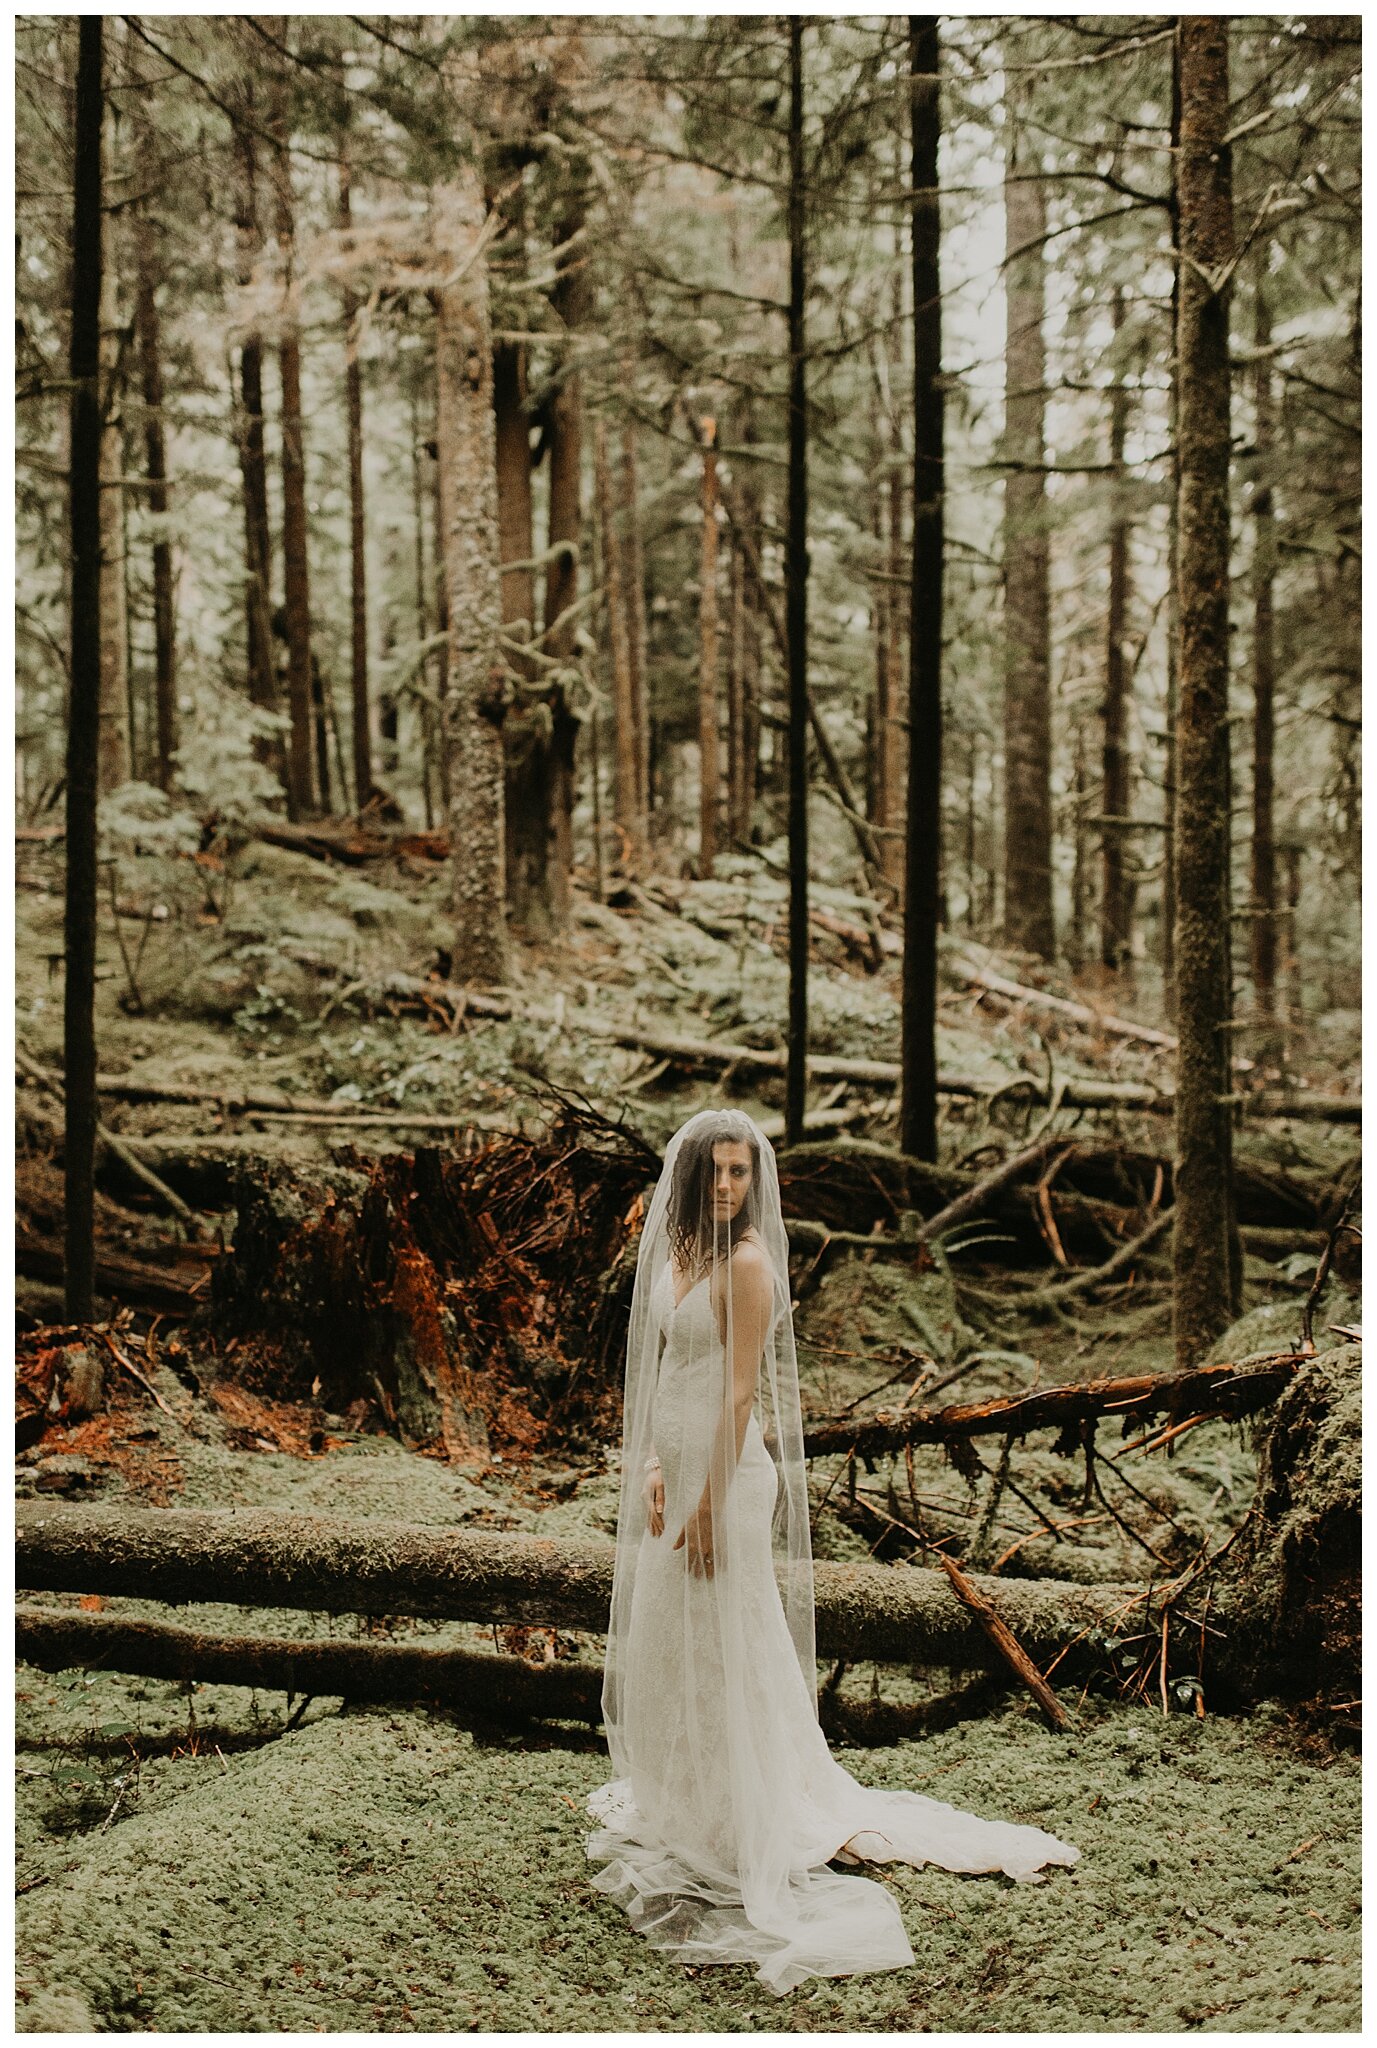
{"x":682,"y":1202}
{"x":726,"y":1808}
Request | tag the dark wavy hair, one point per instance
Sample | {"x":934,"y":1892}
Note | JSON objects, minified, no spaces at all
{"x":690,"y":1222}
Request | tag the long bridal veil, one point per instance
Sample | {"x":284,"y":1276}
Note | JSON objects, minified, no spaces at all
{"x":725,"y":1806}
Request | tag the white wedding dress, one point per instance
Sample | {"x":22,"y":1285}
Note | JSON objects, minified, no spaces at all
{"x":718,"y":1837}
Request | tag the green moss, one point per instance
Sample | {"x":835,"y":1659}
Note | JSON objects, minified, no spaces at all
{"x":390,"y":1871}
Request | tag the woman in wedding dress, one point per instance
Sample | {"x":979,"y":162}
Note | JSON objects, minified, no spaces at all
{"x":726,"y":1808}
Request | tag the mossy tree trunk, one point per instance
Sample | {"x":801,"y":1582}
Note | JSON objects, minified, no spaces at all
{"x":296,"y":582}
{"x":149,"y":328}
{"x":83,"y":722}
{"x":1116,"y":935}
{"x":358,"y":559}
{"x":633,"y":597}
{"x":1203,"y":1286}
{"x":570,"y":300}
{"x":253,"y":464}
{"x":526,"y":732}
{"x":475,"y":703}
{"x":625,"y":768}
{"x":796,"y":609}
{"x":1028,"y":915}
{"x":1264,"y":859}
{"x":923,"y":868}
{"x":116,"y":738}
{"x":709,"y":741}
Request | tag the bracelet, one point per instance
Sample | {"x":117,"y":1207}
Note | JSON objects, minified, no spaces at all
{"x":652,"y":1463}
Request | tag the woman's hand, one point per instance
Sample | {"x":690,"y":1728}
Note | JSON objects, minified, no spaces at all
{"x":696,"y":1541}
{"x":653,"y":1494}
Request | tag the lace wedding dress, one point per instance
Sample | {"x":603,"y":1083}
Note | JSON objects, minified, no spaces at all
{"x":717,"y":1834}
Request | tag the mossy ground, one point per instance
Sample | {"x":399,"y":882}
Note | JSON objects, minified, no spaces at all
{"x":192,"y":1863}
{"x":390,"y":1871}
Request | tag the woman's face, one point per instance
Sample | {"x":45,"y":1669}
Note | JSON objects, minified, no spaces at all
{"x":731,"y":1177}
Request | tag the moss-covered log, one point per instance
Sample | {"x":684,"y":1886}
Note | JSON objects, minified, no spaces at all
{"x":1297,"y":1580}
{"x":471,"y":1682}
{"x":387,"y":1567}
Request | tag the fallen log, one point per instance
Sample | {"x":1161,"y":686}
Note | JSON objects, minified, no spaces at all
{"x":257,"y":1559}
{"x":352,"y":845}
{"x":1078,"y":1092}
{"x":973,"y":976}
{"x":132,"y":1281}
{"x":490,"y":1686}
{"x":1227,"y":1391}
{"x":505,"y":1687}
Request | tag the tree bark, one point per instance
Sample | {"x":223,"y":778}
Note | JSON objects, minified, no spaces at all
{"x":738,"y":825}
{"x":1028,"y":915}
{"x":633,"y":597}
{"x":1204,"y":1141}
{"x":570,"y":300}
{"x":526,"y":731}
{"x":923,"y":869}
{"x":442,"y":752}
{"x":83,"y":719}
{"x":253,"y":465}
{"x":796,"y":606}
{"x":476,"y":700}
{"x":358,"y":558}
{"x":1116,"y":937}
{"x":296,"y":583}
{"x":709,"y":740}
{"x":116,"y":735}
{"x":429,"y":720}
{"x":148,"y":323}
{"x":1264,"y":859}
{"x":625,"y":764}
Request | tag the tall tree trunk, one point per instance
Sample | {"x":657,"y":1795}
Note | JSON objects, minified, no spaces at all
{"x":1028,"y":915}
{"x":1173,"y":568}
{"x":147,"y":321}
{"x":736,"y":705}
{"x":476,"y":700}
{"x":1203,"y":1286}
{"x":1116,"y":939}
{"x":633,"y":596}
{"x":1080,"y":877}
{"x":322,"y":718}
{"x":525,"y":732}
{"x":358,"y":559}
{"x":570,"y":300}
{"x":116,"y":738}
{"x":923,"y":871}
{"x":296,"y":584}
{"x":749,"y":499}
{"x":1264,"y":861}
{"x":442,"y":663}
{"x":625,"y":765}
{"x":796,"y":606}
{"x":83,"y":719}
{"x":709,"y":742}
{"x":253,"y":465}
{"x":892,"y":737}
{"x":418,"y":520}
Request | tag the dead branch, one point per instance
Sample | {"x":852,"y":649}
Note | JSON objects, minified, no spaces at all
{"x":1225,"y":1391}
{"x":1006,"y":1643}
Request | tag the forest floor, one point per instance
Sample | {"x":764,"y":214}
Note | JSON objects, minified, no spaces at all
{"x":187,"y":1860}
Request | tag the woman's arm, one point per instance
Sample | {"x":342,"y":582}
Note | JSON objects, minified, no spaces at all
{"x":750,"y":1308}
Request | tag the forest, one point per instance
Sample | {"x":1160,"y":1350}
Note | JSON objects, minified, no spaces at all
{"x":571,"y":569}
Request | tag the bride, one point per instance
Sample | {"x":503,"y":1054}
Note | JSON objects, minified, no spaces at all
{"x":726,"y":1809}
